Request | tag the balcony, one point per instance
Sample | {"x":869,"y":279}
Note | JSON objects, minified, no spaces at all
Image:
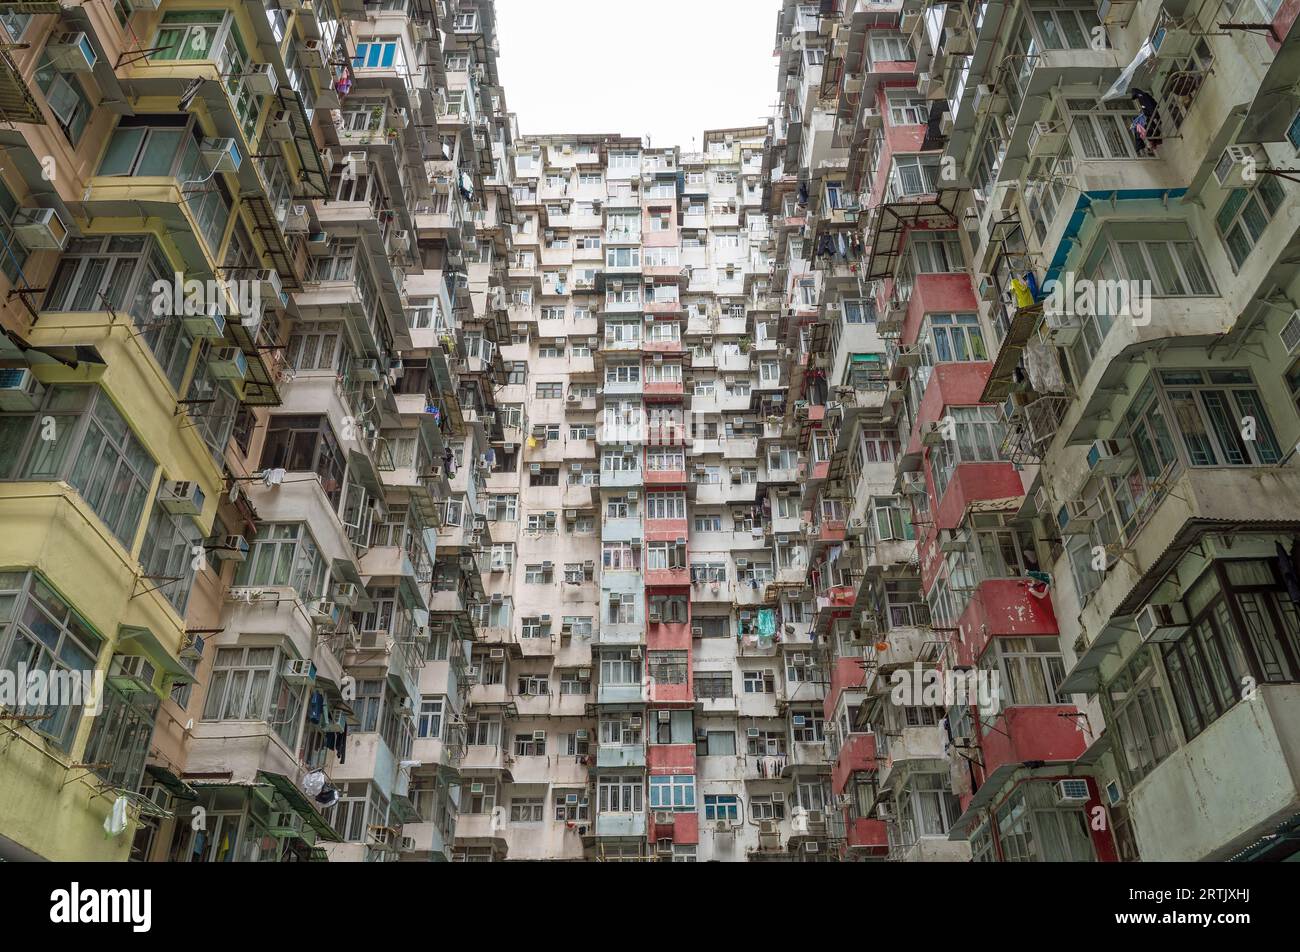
{"x":621,"y":824}
{"x":1184,"y":811}
{"x":621,"y":755}
{"x":867,"y":836}
{"x":619,"y":693}
{"x":1041,"y":732}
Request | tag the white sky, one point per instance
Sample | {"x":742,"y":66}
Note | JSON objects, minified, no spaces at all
{"x":669,"y":69}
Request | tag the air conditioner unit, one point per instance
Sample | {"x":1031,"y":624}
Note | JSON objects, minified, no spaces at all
{"x":1161,"y":621}
{"x":228,"y":363}
{"x":366,"y":369}
{"x":231,"y":548}
{"x":634,"y":723}
{"x":539,"y":736}
{"x":753,"y":732}
{"x":300,"y":671}
{"x":956,"y":541}
{"x":279,"y":126}
{"x":1046,"y":138}
{"x":131,"y":674}
{"x":1239,"y":166}
{"x":313,"y":54}
{"x":345,"y":593}
{"x":19,"y":389}
{"x":811,"y":846}
{"x":1072,"y":791}
{"x":1110,"y":457}
{"x":72,"y":52}
{"x":767,"y":827}
{"x":1290,"y":332}
{"x":40,"y":229}
{"x":207,"y":326}
{"x":1114,"y":793}
{"x":222,"y":155}
{"x":778,"y":796}
{"x":798,"y":720}
{"x":1173,"y":42}
{"x":635,"y":655}
{"x":181,"y":498}
{"x":914,"y":482}
{"x":1075,"y":518}
{"x":1063,"y":328}
{"x":260,"y":79}
{"x":663,"y":818}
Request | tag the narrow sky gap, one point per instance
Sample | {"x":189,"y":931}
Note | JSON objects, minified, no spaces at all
{"x":667,"y":70}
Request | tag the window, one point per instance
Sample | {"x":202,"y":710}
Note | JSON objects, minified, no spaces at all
{"x":167,"y":556}
{"x":759,"y":682}
{"x":1138,"y":711}
{"x":954,"y":337}
{"x":666,"y":505}
{"x":722,"y":806}
{"x":575,"y":681}
{"x":66,"y":98}
{"x":550,"y":391}
{"x":429,"y":724}
{"x":675,"y":792}
{"x":527,"y":809}
{"x":247,"y":683}
{"x":808,"y":725}
{"x":716,"y":743}
{"x":936,"y":252}
{"x":1030,"y":670}
{"x":668,"y":667}
{"x":890,"y":48}
{"x":713,"y":684}
{"x":621,"y":794}
{"x":908,"y":110}
{"x":41,"y":632}
{"x":284,"y":555}
{"x":926,"y":807}
{"x":765,"y":808}
{"x":979,"y":437}
{"x":90,"y":446}
{"x":619,"y":667}
{"x":1242,"y":624}
{"x":530,"y":745}
{"x":538,"y":574}
{"x":1033,"y":828}
{"x":571,"y":805}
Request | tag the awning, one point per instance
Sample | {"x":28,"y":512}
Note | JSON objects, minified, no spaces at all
{"x":14,"y":347}
{"x":1277,"y":98}
{"x":1281,"y":844}
{"x":174,"y":784}
{"x":147,"y":642}
{"x":16,"y":101}
{"x":304,"y":807}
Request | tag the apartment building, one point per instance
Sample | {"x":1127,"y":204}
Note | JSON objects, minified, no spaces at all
{"x":1075,"y":223}
{"x":906,"y":478}
{"x":247,"y":260}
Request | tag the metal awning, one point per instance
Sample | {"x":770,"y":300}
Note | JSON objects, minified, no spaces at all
{"x":1277,"y":99}
{"x":301,"y":805}
{"x":933,"y":212}
{"x":16,"y":101}
{"x":174,"y":784}
{"x":1001,"y":376}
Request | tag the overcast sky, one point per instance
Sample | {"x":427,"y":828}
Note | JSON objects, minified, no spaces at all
{"x":668,"y":69}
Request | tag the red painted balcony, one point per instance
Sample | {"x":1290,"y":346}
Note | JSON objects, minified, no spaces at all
{"x":686,"y":828}
{"x":871,"y":836}
{"x":665,"y":477}
{"x":846,"y":673}
{"x":1032,"y":733}
{"x":663,"y":390}
{"x":831,"y":530}
{"x":669,"y":758}
{"x":858,"y":753}
{"x":667,"y":578}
